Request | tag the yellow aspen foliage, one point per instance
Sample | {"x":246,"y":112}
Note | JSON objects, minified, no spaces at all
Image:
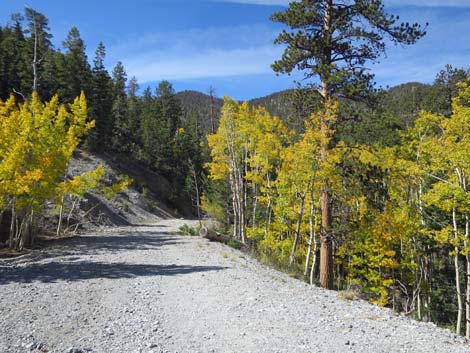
{"x":245,"y":152}
{"x":36,"y":142}
{"x":111,"y":191}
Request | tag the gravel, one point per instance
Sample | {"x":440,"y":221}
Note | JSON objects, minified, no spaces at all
{"x":147,"y":289}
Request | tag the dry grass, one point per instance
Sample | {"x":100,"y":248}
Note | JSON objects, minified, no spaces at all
{"x":347,"y":295}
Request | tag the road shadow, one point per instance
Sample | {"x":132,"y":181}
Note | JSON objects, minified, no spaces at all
{"x":84,"y":270}
{"x":110,"y":243}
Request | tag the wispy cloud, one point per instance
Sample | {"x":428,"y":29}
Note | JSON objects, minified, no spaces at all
{"x":199,"y":53}
{"x":428,"y":3}
{"x":397,"y":3}
{"x":212,"y":63}
{"x":219,"y":54}
{"x":260,"y":2}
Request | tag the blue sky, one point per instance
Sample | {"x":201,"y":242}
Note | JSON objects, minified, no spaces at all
{"x":227,"y":44}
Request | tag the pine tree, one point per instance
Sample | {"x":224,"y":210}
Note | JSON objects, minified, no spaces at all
{"x":77,"y":72}
{"x":133,"y":120}
{"x":119,"y":109}
{"x":333,"y":41}
{"x":14,"y":70}
{"x":101,"y":100}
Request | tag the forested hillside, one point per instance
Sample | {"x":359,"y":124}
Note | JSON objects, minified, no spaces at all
{"x":342,"y":185}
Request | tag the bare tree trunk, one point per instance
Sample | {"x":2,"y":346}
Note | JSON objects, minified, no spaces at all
{"x":211,"y":108}
{"x":35,"y":56}
{"x":69,"y":216}
{"x":196,"y":188}
{"x":457,"y":278}
{"x":27,"y":232}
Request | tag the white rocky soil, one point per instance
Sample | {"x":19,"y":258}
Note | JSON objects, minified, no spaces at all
{"x":147,"y":289}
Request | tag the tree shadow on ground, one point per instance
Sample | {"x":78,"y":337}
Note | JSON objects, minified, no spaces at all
{"x":117,"y":241}
{"x":84,"y":270}
{"x":110,"y":243}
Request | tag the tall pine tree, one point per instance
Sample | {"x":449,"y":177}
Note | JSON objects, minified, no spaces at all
{"x":101,"y":100}
{"x":333,"y":40}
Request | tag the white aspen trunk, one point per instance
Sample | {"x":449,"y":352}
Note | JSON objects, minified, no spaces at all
{"x":234,"y":180}
{"x":297,"y":229}
{"x":419,"y":306}
{"x":457,"y":278}
{"x":268,"y":207}
{"x":315,"y":249}
{"x":427,"y":279}
{"x":235,"y":206}
{"x":311,"y":238}
{"x":61,"y":212}
{"x":69,"y":216}
{"x":463,"y":185}
{"x":467,"y":263}
{"x":244,"y":189}
{"x":12,"y":242}
{"x":467,"y":278}
{"x":424,"y":261}
{"x":255,"y":205}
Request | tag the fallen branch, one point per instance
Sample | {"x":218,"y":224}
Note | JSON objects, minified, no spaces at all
{"x":213,"y":235}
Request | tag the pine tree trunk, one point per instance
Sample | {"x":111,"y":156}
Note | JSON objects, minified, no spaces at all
{"x":326,"y":246}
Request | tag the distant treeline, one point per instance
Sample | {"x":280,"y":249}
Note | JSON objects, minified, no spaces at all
{"x":151,"y":128}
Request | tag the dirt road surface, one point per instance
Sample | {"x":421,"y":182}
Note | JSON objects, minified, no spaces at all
{"x":148,"y":289}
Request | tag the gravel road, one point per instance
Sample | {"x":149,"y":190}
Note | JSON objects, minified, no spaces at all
{"x":147,"y":289}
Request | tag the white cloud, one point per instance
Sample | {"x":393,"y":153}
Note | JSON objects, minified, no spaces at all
{"x":198,"y":53}
{"x":211,"y":63}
